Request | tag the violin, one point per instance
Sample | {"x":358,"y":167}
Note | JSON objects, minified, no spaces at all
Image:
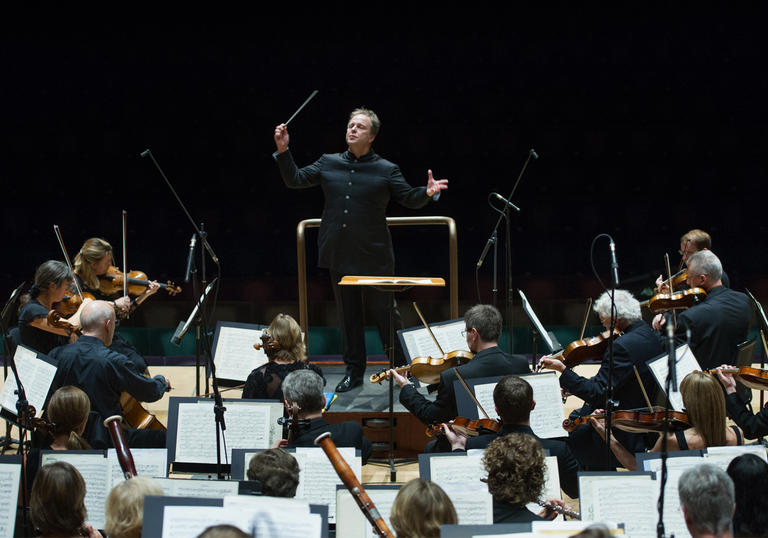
{"x":70,"y":304}
{"x":677,"y":279}
{"x":679,"y":300}
{"x":112,"y":283}
{"x":754,"y":378}
{"x":579,"y":351}
{"x":428,"y":369}
{"x":638,"y":420}
{"x":268,"y":344}
{"x":466,"y":427}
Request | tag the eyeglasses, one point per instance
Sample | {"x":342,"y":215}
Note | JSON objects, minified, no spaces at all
{"x":465,"y":331}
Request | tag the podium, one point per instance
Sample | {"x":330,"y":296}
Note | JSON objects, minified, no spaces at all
{"x":393,"y":284}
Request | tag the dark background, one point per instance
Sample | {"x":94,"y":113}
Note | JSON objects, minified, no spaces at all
{"x":648,"y":124}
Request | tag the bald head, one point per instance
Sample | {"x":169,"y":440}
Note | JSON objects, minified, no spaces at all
{"x":98,"y":319}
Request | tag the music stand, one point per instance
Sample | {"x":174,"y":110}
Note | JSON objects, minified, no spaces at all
{"x":538,"y":329}
{"x":391,"y":284}
{"x":763,"y":321}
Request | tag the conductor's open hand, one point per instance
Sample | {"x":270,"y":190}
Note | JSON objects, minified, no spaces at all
{"x":433,"y":185}
{"x":281,"y":137}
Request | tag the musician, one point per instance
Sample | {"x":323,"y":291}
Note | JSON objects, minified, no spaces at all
{"x":285,"y":349}
{"x":93,"y":261}
{"x":354,"y":238}
{"x":277,"y":471}
{"x":483,"y":328}
{"x":57,"y":502}
{"x":705,"y":406}
{"x":419,"y":509}
{"x":515,"y":465}
{"x":513,"y":398}
{"x":718,"y":324}
{"x":637,"y":344}
{"x":749,"y":474}
{"x":690,"y":243}
{"x":708,"y":501}
{"x":124,"y":508}
{"x":754,"y":425}
{"x":305,"y":388}
{"x":104,"y":374}
{"x":52,"y":283}
{"x":68,"y":411}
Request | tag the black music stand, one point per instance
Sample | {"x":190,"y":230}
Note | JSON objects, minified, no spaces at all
{"x":391,"y":284}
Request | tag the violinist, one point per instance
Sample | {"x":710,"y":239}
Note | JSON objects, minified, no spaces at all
{"x":754,"y":425}
{"x":93,"y":261}
{"x":690,"y":243}
{"x":705,"y":405}
{"x":104,"y":374}
{"x":285,"y":349}
{"x":513,"y":398}
{"x":483,"y":327}
{"x":52,"y":283}
{"x":718,"y":324}
{"x":637,"y":344}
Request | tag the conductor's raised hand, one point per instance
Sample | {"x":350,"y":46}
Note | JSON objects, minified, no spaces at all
{"x":281,"y":137}
{"x":435,"y":185}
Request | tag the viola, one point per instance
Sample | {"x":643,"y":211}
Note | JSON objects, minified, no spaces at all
{"x":579,"y":351}
{"x":70,"y":304}
{"x":268,"y":344}
{"x":466,"y":427}
{"x":638,"y":420}
{"x":677,"y":279}
{"x":754,"y":378}
{"x":112,"y":283}
{"x":679,"y":300}
{"x":55,"y":320}
{"x":428,"y":369}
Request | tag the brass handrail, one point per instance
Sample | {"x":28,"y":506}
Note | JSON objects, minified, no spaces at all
{"x":453,"y":272}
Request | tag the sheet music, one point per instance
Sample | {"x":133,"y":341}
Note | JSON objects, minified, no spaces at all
{"x":548,"y":527}
{"x":473,"y":505}
{"x":10,"y":476}
{"x":686,"y":363}
{"x":211,"y":489}
{"x":95,"y":471}
{"x":351,"y":522}
{"x":150,"y":462}
{"x":249,"y":425}
{"x":723,"y":455}
{"x":36,"y":376}
{"x":277,"y":517}
{"x":674,"y":521}
{"x":551,"y":484}
{"x":621,"y":498}
{"x":235,"y":357}
{"x":419,"y":343}
{"x":186,"y":521}
{"x":685,"y":462}
{"x":466,"y":470}
{"x":318,"y":478}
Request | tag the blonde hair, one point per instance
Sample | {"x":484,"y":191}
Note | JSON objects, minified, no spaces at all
{"x":92,"y":251}
{"x":286,"y":332}
{"x":420,"y":508}
{"x":124,"y":508}
{"x":68,"y":410}
{"x":705,"y":404}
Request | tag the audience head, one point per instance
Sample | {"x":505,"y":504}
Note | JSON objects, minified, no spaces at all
{"x":286,"y":335}
{"x":483,"y":323}
{"x":705,"y":404}
{"x":513,"y":397}
{"x":304,"y":388}
{"x":627,"y":309}
{"x":420,"y":508}
{"x":704,"y":270}
{"x":224,"y":531}
{"x":57,"y":500}
{"x":750,"y":475}
{"x":277,"y":470}
{"x":707,"y":498}
{"x":515,"y":465}
{"x":68,"y":411}
{"x":125,"y":506}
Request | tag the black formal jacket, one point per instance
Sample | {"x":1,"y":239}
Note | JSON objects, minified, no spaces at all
{"x":354,"y":237}
{"x":717,"y":325}
{"x":638,"y":344}
{"x":348,"y":433}
{"x":753,"y":426}
{"x":489,"y":362}
{"x":513,"y":513}
{"x":567,"y":464}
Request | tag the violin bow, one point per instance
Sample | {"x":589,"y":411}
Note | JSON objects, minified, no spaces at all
{"x":642,"y":388}
{"x":586,"y":317}
{"x":469,"y":391}
{"x":440,"y":349}
{"x":66,"y":257}
{"x":669,"y":275}
{"x":125,"y":253}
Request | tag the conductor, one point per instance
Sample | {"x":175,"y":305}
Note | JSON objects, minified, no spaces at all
{"x":354,"y":238}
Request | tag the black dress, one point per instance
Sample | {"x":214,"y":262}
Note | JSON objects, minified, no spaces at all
{"x":38,"y":339}
{"x":266,"y":381}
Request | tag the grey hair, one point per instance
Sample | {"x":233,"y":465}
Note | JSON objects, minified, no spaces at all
{"x":627,"y":307}
{"x":95,"y":314}
{"x":305,"y":388}
{"x":704,"y":262}
{"x":486,"y":319}
{"x":707,"y":493}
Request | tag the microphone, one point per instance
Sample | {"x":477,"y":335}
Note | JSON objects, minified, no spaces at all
{"x":614,"y":265}
{"x":491,"y":241}
{"x":191,"y":257}
{"x":510,"y":204}
{"x":534,"y":154}
{"x":147,"y":152}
